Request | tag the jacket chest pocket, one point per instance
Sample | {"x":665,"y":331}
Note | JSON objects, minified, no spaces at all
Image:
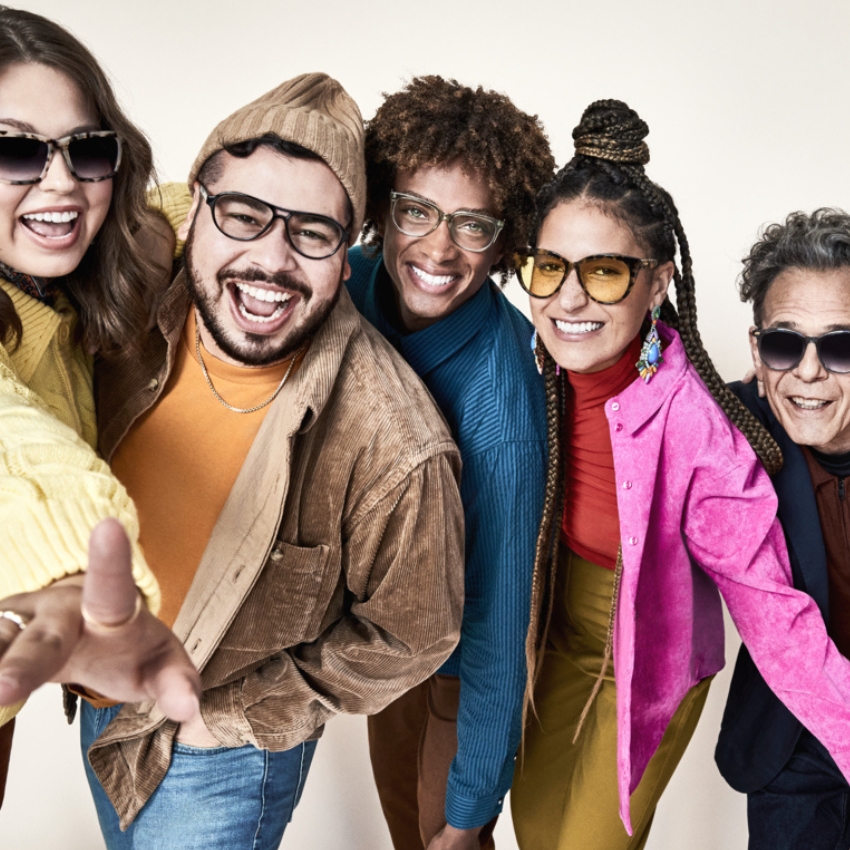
{"x":290,"y":597}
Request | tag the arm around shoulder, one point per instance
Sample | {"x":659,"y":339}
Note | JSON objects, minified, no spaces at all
{"x":172,"y":202}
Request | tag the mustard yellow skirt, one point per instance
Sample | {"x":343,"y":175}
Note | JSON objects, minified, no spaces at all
{"x":564,"y":795}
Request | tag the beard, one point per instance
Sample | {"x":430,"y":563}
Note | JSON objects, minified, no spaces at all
{"x":241,"y":346}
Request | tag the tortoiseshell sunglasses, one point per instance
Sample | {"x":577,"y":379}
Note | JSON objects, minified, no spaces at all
{"x":90,"y":156}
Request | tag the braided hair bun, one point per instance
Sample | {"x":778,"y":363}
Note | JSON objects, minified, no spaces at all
{"x":612,"y":130}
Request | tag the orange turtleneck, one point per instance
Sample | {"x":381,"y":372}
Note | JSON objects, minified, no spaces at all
{"x":591,"y":521}
{"x":179,"y":460}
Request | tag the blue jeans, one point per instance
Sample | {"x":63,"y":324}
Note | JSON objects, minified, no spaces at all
{"x":805,"y":807}
{"x":221,"y":798}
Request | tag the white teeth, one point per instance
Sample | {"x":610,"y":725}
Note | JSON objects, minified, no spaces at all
{"x":53,"y":217}
{"x":263,"y":294}
{"x":432,"y":279}
{"x":261,"y":319}
{"x":577,"y":327}
{"x":808,"y":403}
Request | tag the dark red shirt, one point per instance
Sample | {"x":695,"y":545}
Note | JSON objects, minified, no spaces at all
{"x":591,"y":521}
{"x":832,"y":494}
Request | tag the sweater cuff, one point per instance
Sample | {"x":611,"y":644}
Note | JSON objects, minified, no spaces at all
{"x":471,"y":812}
{"x":29,"y":565}
{"x":172,"y":201}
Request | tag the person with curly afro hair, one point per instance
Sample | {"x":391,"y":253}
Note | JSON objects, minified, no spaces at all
{"x":452,"y":174}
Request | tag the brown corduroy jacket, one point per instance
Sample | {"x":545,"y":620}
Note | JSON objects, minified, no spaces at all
{"x":333,"y":580}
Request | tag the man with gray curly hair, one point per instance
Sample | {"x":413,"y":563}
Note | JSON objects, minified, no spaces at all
{"x":797,"y":277}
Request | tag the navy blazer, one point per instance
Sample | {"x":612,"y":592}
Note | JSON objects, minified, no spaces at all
{"x":758,"y":733}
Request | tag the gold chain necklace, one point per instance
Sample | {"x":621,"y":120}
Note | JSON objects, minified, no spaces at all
{"x":215,"y":392}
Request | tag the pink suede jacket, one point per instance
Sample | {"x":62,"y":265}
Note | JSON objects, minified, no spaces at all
{"x":698,"y":515}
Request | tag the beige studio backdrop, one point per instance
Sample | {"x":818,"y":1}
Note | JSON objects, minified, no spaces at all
{"x":747,"y":102}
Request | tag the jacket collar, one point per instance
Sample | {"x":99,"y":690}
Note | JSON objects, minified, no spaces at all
{"x":315,"y":379}
{"x":427,"y":349}
{"x":640,"y":401}
{"x":172,"y":309}
{"x":798,"y":510}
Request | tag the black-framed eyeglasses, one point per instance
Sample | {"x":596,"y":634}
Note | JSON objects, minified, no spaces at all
{"x":606,"y":278}
{"x":90,"y":156}
{"x":414,"y":216}
{"x":782,"y":349}
{"x":245,"y":218}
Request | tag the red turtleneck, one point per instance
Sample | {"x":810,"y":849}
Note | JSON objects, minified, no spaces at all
{"x":591,"y":522}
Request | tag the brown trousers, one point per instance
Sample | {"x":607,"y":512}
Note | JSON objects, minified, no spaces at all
{"x":7,"y":730}
{"x":411,"y":744}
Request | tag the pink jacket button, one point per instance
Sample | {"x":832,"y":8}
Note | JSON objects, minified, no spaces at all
{"x":615,"y":405}
{"x":627,"y":485}
{"x":618,"y":426}
{"x":633,"y":541}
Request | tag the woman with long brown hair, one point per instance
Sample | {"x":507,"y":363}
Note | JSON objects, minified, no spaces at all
{"x":655,"y":501}
{"x":73,"y":284}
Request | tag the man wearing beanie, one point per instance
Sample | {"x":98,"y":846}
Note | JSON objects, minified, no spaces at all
{"x":297,"y":489}
{"x":452,"y":174}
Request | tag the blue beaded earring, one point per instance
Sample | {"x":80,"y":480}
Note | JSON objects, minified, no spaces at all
{"x":538,"y":352}
{"x":650,"y":353}
{"x":537,"y":348}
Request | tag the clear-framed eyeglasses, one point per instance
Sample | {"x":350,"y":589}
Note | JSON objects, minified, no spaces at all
{"x":245,"y":218}
{"x":471,"y":231}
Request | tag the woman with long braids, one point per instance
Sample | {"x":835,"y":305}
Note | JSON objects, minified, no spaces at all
{"x":73,"y":282}
{"x":655,"y":500}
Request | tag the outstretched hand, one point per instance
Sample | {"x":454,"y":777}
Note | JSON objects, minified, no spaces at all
{"x":91,"y":630}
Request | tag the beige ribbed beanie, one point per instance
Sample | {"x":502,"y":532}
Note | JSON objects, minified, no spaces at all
{"x":311,"y":110}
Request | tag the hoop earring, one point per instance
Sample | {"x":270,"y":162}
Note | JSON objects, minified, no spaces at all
{"x":650,"y":352}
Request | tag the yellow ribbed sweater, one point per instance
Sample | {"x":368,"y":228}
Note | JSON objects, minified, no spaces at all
{"x":53,"y":487}
{"x":173,"y":202}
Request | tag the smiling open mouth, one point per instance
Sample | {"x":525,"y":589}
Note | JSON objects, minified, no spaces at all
{"x":432,"y":279}
{"x":260,"y":305}
{"x":808,"y":403}
{"x":577,"y":327}
{"x":51,"y":225}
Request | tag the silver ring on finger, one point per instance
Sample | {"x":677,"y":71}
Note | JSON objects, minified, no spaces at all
{"x":20,"y":621}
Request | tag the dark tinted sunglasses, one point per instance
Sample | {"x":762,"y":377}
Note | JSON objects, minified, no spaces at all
{"x":90,"y":156}
{"x":781,"y":349}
